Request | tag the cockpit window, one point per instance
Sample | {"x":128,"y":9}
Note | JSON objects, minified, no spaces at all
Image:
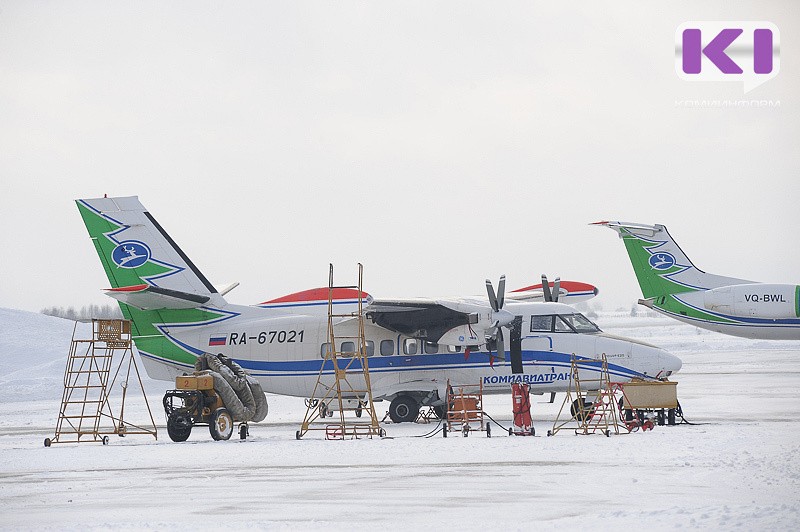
{"x":542,"y":323}
{"x":562,"y":325}
{"x":579,"y":323}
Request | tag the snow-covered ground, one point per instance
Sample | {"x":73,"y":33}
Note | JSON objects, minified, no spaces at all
{"x":736,"y":467}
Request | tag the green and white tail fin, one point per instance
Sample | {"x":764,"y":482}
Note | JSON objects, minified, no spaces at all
{"x":157,"y":286}
{"x":145,"y":267}
{"x":661,"y":266}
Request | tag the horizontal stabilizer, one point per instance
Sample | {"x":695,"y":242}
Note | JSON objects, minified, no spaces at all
{"x":147,"y":297}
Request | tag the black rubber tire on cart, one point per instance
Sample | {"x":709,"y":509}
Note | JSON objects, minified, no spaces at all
{"x":243,"y":432}
{"x":179,"y":426}
{"x":403,"y":409}
{"x":221,"y":424}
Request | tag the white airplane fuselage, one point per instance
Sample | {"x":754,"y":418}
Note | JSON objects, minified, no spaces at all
{"x":284,"y":345}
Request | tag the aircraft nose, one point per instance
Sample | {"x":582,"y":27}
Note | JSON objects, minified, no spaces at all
{"x":670,"y":363}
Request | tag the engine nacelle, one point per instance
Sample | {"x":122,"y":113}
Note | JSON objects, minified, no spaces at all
{"x":481,"y":318}
{"x":463,"y":335}
{"x":762,"y":300}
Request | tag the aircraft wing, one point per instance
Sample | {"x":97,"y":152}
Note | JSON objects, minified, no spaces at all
{"x":570,"y":292}
{"x":420,"y":318}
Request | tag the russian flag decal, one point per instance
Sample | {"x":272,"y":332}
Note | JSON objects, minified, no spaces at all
{"x":218,"y":340}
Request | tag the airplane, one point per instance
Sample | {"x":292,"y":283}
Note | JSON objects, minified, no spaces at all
{"x":415,"y":346}
{"x":672,"y":285}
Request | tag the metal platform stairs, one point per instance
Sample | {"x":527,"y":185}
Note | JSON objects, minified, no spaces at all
{"x":591,"y":399}
{"x":91,"y":396}
{"x":343,"y":385}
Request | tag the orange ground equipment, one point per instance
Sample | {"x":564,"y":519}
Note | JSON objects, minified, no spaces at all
{"x":521,"y":398}
{"x":465,"y":410}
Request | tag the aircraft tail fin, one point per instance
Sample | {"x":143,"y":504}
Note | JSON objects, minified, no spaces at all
{"x":141,"y":259}
{"x":661,"y":266}
{"x":156,"y":284}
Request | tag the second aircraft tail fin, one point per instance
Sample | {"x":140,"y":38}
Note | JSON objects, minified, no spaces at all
{"x":661,"y":266}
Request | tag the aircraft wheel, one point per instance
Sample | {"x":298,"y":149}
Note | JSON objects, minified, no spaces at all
{"x":221,"y":424}
{"x":403,"y":409}
{"x":580,"y":409}
{"x":440,"y":411}
{"x":179,"y":426}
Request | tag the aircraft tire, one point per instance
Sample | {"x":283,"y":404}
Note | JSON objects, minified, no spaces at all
{"x":179,"y":426}
{"x":440,"y":411}
{"x":403,"y":409}
{"x":583,"y":409}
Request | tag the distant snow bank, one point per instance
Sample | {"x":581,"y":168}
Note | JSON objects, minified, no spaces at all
{"x":33,"y":354}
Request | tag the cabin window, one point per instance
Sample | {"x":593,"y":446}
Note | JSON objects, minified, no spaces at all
{"x":410,"y":346}
{"x":324,"y":348}
{"x":348,"y":349}
{"x":453,"y":348}
{"x":431,"y":348}
{"x":387,"y":347}
{"x":370,"y":348}
{"x":541,"y":323}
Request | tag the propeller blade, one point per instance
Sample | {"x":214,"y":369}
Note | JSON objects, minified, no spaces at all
{"x":501,"y":292}
{"x":556,"y":289}
{"x":548,"y":296}
{"x":501,"y":347}
{"x":516,"y":345}
{"x":492,"y":296}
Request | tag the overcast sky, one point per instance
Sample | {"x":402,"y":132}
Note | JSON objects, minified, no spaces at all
{"x":439,"y":143}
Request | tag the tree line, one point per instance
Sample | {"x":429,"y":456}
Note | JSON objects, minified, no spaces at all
{"x":86,"y":312}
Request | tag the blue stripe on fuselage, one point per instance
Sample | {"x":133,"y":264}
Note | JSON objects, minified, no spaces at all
{"x":446,"y":361}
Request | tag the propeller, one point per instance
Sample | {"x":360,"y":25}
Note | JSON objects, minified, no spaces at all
{"x":548,"y":294}
{"x":496,"y":301}
{"x":503,"y":318}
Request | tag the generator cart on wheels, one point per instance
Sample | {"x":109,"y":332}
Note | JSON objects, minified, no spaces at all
{"x":195,"y":402}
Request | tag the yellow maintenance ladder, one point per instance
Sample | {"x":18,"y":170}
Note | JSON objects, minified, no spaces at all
{"x":343,"y":385}
{"x":601,"y":414}
{"x":87,"y":404}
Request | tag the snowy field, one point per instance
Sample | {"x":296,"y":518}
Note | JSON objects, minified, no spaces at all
{"x":736,"y":467}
